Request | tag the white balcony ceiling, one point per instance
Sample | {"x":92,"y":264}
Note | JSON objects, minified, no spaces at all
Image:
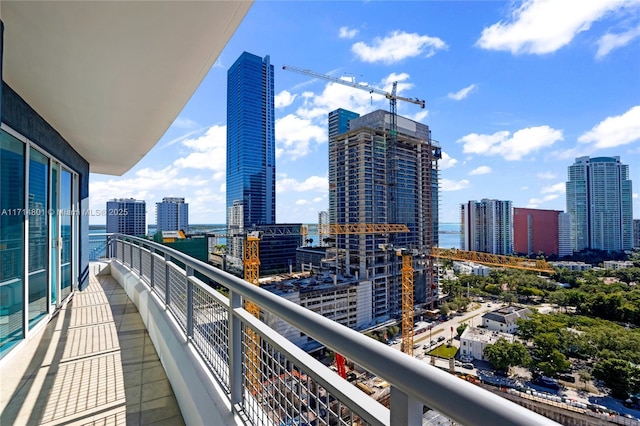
{"x":112,"y":76}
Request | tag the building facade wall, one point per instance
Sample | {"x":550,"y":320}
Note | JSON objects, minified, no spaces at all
{"x":536,"y":231}
{"x":172,"y":214}
{"x":487,"y":226}
{"x":127,"y":216}
{"x":359,"y":193}
{"x":251,"y":161}
{"x":599,"y":200}
{"x":44,"y":230}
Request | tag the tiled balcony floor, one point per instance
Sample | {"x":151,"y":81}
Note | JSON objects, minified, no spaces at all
{"x":94,"y":364}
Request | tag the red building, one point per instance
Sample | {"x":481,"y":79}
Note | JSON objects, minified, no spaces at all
{"x":543,"y":231}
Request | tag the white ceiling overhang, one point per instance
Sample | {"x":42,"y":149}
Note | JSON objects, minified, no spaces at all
{"x":111,"y":76}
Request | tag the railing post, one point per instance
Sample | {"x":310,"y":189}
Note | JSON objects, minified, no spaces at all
{"x":189,"y":273}
{"x":140,"y":259}
{"x":152,"y":251}
{"x":108,"y":249}
{"x":131,"y":255}
{"x":405,"y":410}
{"x":235,"y":351}
{"x":167,"y":295}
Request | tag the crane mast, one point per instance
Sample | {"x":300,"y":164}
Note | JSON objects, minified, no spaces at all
{"x":392,"y":162}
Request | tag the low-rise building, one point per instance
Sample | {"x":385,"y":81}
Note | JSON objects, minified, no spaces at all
{"x":572,"y":266}
{"x":504,"y":319}
{"x":471,"y":268}
{"x":473,"y":341}
{"x":344,"y":300}
{"x":617,"y":264}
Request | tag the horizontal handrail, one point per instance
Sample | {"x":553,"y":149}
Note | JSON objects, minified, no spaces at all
{"x":459,"y":400}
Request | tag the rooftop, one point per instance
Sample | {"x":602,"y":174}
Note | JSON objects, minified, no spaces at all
{"x":484,"y":335}
{"x":508,"y":314}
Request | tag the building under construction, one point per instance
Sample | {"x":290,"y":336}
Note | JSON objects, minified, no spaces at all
{"x":372,"y":184}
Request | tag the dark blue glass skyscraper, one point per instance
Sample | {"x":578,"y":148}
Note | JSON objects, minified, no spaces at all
{"x":251,"y":187}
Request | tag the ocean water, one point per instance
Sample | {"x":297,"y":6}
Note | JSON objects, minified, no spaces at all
{"x":449,"y":235}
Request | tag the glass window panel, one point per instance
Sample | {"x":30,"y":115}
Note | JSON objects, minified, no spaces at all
{"x":65,"y":218}
{"x":11,"y":241}
{"x":55,"y":250}
{"x":38,"y":235}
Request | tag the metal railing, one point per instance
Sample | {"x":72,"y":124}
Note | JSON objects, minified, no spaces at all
{"x":291,"y":387}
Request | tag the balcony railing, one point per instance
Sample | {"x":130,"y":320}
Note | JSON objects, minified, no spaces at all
{"x":270,"y":381}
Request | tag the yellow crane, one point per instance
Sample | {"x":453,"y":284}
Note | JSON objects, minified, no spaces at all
{"x":537,"y":265}
{"x":407,"y":284}
{"x":252,"y":340}
{"x":407,"y":302}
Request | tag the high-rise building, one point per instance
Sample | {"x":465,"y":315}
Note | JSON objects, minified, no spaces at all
{"x":599,"y":201}
{"x":251,"y":159}
{"x":359,"y":193}
{"x":636,"y":233}
{"x":541,"y":231}
{"x":127,"y":216}
{"x":487,"y":226}
{"x":339,"y":121}
{"x":172,"y":214}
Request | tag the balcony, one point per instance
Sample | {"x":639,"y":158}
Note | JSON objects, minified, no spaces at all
{"x":224,"y":366}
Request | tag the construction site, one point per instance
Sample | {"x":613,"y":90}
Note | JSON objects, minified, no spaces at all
{"x":383,"y":229}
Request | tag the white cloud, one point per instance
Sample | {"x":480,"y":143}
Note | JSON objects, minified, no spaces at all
{"x":346,"y":32}
{"x":558,"y":187}
{"x":142,"y":185}
{"x":283,"y":99}
{"x":209,"y":151}
{"x":301,"y":202}
{"x":511,"y":147}
{"x":396,"y":46}
{"x":312,"y":183}
{"x":446,"y":162}
{"x":482,"y":170}
{"x":184,"y":123}
{"x":535,"y":202}
{"x":546,"y":175}
{"x":543,"y":26}
{"x":462,"y":93}
{"x":635,"y":195}
{"x":609,"y":42}
{"x":615,"y":131}
{"x":418,"y":116}
{"x":452,"y":185}
{"x":294,"y":136}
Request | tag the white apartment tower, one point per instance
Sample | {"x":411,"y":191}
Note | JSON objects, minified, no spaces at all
{"x":599,"y":201}
{"x":487,"y":226}
{"x":172,"y":214}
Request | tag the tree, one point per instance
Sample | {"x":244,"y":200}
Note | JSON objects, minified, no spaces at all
{"x":553,"y":363}
{"x":618,"y":375}
{"x":461,"y":328}
{"x":509,"y":298}
{"x":503,"y":354}
{"x":584,"y":376}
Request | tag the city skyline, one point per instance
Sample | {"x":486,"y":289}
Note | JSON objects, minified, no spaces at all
{"x":500,"y":107}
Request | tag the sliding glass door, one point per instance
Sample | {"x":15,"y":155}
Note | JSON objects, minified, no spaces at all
{"x":38,"y":207}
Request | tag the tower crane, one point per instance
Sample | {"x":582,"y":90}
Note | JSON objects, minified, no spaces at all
{"x":252,"y":340}
{"x":407,"y":270}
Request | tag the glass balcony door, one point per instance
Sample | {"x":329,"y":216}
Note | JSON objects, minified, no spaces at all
{"x":62,"y":232}
{"x":54,"y":259}
{"x":38,"y":240}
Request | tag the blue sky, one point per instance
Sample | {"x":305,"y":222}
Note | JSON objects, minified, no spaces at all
{"x":514,"y":92}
